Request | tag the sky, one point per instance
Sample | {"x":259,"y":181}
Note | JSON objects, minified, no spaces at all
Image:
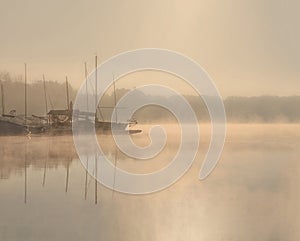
{"x":248,"y":47}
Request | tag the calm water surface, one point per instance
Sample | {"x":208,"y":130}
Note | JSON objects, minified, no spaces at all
{"x":46,"y":194}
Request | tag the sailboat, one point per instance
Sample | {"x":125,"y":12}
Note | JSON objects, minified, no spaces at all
{"x":9,"y":124}
{"x":61,"y":120}
{"x":106,"y":126}
{"x":12,"y":124}
{"x":103,"y":126}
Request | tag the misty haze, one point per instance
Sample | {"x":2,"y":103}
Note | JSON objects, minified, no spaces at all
{"x":251,"y":195}
{"x":78,"y":164}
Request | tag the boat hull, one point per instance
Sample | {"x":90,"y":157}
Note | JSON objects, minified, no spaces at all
{"x":9,"y":128}
{"x":101,"y":127}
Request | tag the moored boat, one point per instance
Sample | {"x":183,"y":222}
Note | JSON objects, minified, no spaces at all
{"x":14,"y":126}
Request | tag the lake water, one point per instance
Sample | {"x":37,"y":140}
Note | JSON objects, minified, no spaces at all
{"x":253,"y":194}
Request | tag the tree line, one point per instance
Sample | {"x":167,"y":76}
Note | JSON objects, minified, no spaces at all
{"x":238,"y":109}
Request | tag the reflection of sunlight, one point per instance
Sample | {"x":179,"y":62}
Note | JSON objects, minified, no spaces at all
{"x":254,"y":185}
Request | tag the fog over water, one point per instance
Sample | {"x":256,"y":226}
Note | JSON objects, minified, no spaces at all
{"x":251,"y":51}
{"x":252,"y":194}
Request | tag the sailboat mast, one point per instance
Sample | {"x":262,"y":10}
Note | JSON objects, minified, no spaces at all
{"x":96,"y":85}
{"x":67,"y":89}
{"x":115,"y":99}
{"x":45,"y":95}
{"x":2,"y":99}
{"x":96,"y":104}
{"x":25,"y":92}
{"x":86,"y":86}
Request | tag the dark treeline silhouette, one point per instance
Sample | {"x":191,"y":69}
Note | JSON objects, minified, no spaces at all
{"x":238,"y":109}
{"x":14,"y":95}
{"x":263,"y":109}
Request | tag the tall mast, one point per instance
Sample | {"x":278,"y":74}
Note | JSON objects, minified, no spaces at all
{"x":96,"y":85}
{"x":86,"y":86}
{"x":96,"y":104}
{"x":2,"y":99}
{"x":115,"y":99}
{"x":67,"y":89}
{"x":25,"y":92}
{"x":45,"y":95}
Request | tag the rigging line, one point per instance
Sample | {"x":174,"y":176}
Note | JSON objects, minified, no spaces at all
{"x":51,"y":103}
{"x":115,"y":98}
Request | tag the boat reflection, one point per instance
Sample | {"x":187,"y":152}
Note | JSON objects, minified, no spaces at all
{"x":24,"y":156}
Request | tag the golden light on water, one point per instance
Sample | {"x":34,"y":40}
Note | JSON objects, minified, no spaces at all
{"x":252,"y":194}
